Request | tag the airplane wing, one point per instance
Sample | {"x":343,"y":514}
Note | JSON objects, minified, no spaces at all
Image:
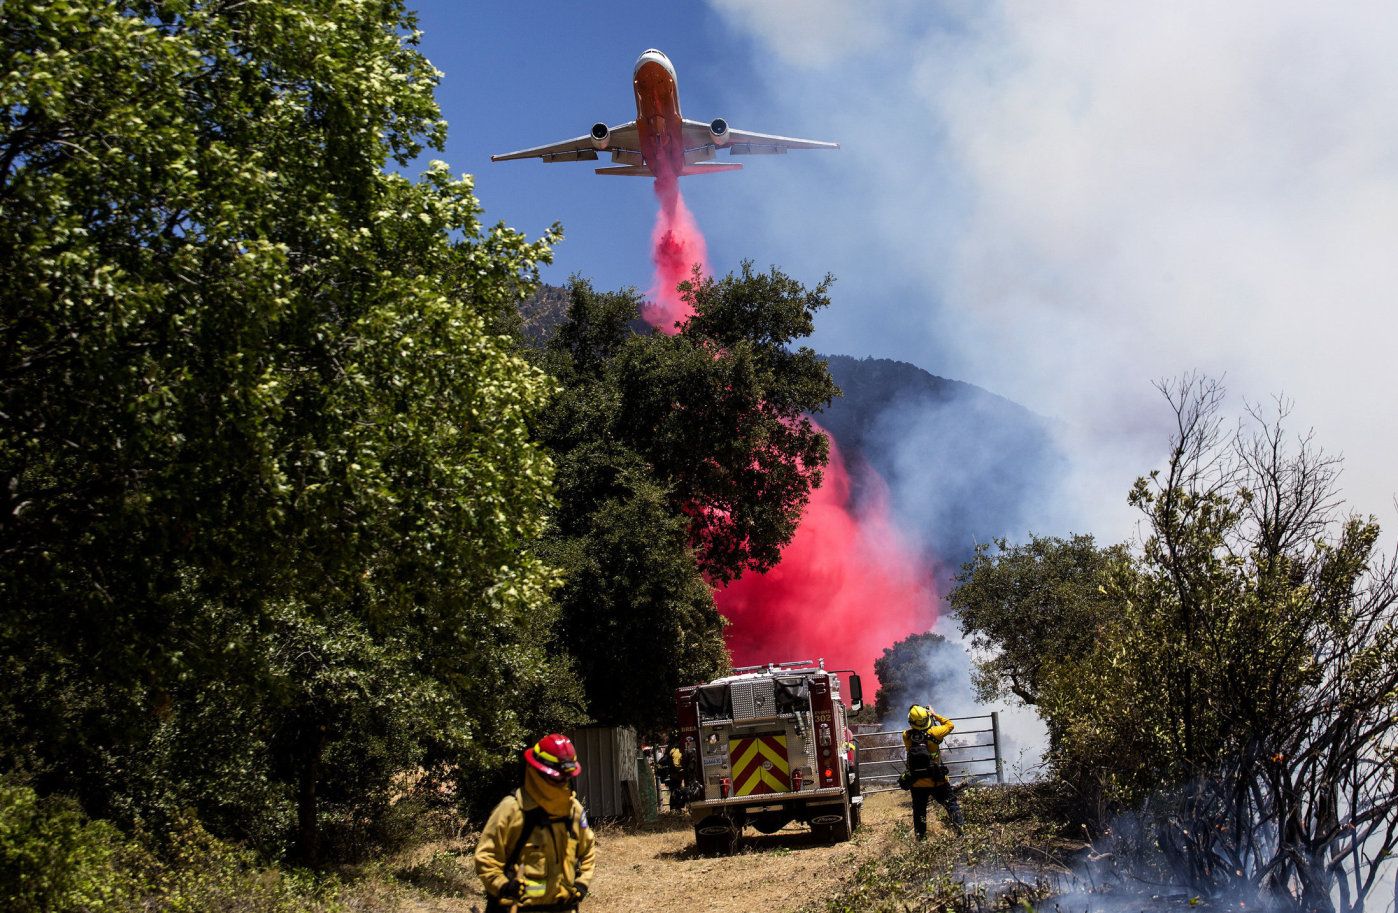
{"x":625,"y":138}
{"x":743,"y":142}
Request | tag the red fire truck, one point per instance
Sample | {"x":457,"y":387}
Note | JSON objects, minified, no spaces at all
{"x":769,"y":745}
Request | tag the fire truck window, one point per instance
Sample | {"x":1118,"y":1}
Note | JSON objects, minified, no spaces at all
{"x":715,"y":702}
{"x":793,"y":694}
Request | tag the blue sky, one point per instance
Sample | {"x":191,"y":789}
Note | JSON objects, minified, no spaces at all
{"x":521,"y":75}
{"x":1061,"y":203}
{"x":525,"y":74}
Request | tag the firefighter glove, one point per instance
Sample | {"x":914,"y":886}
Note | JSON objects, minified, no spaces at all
{"x":510,"y":890}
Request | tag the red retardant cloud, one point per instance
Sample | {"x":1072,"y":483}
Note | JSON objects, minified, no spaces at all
{"x":677,"y":246}
{"x":848,"y":585}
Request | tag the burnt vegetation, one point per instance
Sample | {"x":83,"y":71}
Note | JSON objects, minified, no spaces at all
{"x":1221,"y":696}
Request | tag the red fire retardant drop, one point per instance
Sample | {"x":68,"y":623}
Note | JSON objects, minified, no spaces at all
{"x":676,"y":246}
{"x":849,"y":584}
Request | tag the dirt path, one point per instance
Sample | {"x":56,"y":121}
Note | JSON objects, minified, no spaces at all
{"x":658,"y":869}
{"x":775,"y":874}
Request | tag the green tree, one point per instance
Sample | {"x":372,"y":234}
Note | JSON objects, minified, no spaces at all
{"x":267,"y":485}
{"x":738,"y":449}
{"x":915,"y":670}
{"x":681,"y":460}
{"x":1032,"y":605}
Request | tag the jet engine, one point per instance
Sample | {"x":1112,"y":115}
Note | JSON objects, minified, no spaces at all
{"x":601,"y":135}
{"x":719,"y":131}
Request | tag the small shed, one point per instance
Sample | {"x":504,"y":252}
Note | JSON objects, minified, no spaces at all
{"x":607,"y":785}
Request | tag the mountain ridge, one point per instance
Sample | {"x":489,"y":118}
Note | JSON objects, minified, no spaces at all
{"x":961,"y":464}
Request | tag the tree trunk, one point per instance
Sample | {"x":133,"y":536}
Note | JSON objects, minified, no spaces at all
{"x":307,"y":826}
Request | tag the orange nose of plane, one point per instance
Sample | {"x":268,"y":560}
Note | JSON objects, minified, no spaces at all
{"x":656,"y":98}
{"x":651,"y":76}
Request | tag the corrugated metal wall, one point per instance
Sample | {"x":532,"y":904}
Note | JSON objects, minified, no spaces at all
{"x":608,"y":758}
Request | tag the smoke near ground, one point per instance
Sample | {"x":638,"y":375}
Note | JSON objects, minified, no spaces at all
{"x":934,"y":669}
{"x":963,"y":466}
{"x":1023,"y":737}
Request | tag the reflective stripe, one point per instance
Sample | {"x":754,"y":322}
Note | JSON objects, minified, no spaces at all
{"x":759,"y":765}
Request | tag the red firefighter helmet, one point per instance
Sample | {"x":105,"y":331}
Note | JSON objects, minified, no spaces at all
{"x":554,"y":757}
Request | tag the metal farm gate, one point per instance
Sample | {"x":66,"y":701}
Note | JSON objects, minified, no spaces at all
{"x":971,"y":752}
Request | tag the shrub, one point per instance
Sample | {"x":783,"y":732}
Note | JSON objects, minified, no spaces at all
{"x":52,"y":858}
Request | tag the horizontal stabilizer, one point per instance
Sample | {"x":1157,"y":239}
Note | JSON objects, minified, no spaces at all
{"x":643,"y":171}
{"x":709,"y":169}
{"x":635,"y":171}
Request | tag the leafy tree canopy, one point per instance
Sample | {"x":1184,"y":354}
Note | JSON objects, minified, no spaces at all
{"x":267,"y":483}
{"x":681,"y":460}
{"x":1033,"y":605}
{"x":915,"y":670}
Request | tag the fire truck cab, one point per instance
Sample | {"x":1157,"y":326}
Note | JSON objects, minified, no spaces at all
{"x":769,"y":745}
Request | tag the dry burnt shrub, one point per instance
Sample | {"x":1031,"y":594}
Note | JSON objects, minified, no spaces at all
{"x":1236,"y":716}
{"x":1008,"y":856}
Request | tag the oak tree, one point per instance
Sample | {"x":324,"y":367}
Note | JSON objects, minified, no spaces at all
{"x":682,"y":461}
{"x":267,"y":482}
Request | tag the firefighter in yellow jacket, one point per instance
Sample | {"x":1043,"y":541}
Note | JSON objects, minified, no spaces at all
{"x":536,"y":850}
{"x":922,"y":744}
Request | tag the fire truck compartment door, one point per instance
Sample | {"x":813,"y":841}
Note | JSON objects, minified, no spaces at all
{"x":793,"y":694}
{"x":716,"y":702}
{"x":753,"y":700}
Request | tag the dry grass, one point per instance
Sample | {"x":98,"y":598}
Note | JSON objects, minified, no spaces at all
{"x":655,"y":867}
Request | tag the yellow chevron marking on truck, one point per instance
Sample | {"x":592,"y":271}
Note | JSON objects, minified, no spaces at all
{"x":759,"y":765}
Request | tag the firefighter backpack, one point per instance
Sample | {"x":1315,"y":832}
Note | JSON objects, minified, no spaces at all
{"x":919,"y":754}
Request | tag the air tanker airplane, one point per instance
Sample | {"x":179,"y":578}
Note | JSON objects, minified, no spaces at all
{"x":659,"y":140}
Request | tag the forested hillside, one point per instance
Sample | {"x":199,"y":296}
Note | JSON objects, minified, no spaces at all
{"x":963,"y":464}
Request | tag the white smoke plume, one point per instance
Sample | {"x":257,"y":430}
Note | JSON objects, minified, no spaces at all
{"x":945,"y":684}
{"x":1023,"y":737}
{"x":1065,"y":202}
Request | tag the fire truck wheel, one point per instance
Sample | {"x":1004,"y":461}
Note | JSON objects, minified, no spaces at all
{"x":715,"y":836}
